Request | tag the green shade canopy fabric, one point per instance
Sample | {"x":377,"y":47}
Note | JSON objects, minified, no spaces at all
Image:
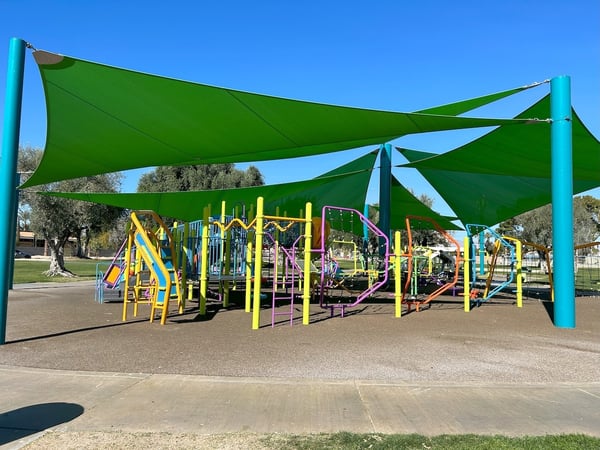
{"x":490,"y":199}
{"x":404,"y":203}
{"x":463,"y":106}
{"x":346,"y":186}
{"x":505,"y":174}
{"x":103,"y":119}
{"x":520,"y":151}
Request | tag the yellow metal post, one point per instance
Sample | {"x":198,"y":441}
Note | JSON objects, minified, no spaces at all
{"x":183,"y":264}
{"x":249,"y":276}
{"x":258,"y":263}
{"x":307,"y":274}
{"x":225,"y":255}
{"x":203,"y":270}
{"x":397,"y":274}
{"x":127,"y":269}
{"x":519,"y":253}
{"x":276,"y":236}
{"x":138,"y":267}
{"x":466,"y":273}
{"x":429,"y":261}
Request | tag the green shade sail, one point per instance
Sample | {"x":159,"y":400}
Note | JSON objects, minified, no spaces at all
{"x":188,"y":206}
{"x":503,"y":174}
{"x":506,"y":172}
{"x":491,"y":199}
{"x":463,"y":106}
{"x":520,"y":151}
{"x":103,"y":119}
{"x":346,"y":187}
{"x":405,"y":203}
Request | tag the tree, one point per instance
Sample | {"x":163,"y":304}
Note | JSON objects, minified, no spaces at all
{"x":94,"y":218}
{"x":198,"y":178}
{"x":536,"y":225}
{"x":59,"y":219}
{"x":424,"y":234}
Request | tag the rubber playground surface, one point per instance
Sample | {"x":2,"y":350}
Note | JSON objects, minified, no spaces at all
{"x":497,"y":356}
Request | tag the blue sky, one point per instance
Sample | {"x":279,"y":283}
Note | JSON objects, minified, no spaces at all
{"x":391,"y":55}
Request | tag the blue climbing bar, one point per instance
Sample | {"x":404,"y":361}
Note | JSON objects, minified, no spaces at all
{"x":562,"y":202}
{"x":8,"y":170}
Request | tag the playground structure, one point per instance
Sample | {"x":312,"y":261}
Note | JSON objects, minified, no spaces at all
{"x":151,"y":260}
{"x":333,"y":279}
{"x":507,"y":250}
{"x":289,"y":256}
{"x":213,"y":260}
{"x":111,"y":278}
{"x":420,"y":276}
{"x":298,"y":260}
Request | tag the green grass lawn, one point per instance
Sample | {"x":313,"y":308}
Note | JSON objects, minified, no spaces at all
{"x":31,"y":270}
{"x":419,"y":442}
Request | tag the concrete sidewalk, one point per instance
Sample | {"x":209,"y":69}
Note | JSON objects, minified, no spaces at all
{"x":138,"y":403}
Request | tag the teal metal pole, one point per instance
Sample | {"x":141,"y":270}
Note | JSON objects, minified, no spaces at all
{"x":481,"y":253}
{"x":8,"y":169}
{"x":562,"y":202}
{"x":365,"y":227}
{"x":385,"y":193}
{"x":365,"y":243}
{"x":13,"y":221}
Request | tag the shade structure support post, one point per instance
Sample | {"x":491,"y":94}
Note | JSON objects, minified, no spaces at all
{"x":13,"y":221}
{"x":385,"y":193}
{"x":562,"y":202}
{"x":365,"y":242}
{"x":8,"y":171}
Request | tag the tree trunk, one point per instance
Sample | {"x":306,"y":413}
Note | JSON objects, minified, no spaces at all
{"x":80,"y":246}
{"x":57,"y":260}
{"x":86,"y":244}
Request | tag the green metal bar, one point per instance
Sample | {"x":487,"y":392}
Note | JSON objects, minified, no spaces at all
{"x":8,"y":169}
{"x":562,"y":202}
